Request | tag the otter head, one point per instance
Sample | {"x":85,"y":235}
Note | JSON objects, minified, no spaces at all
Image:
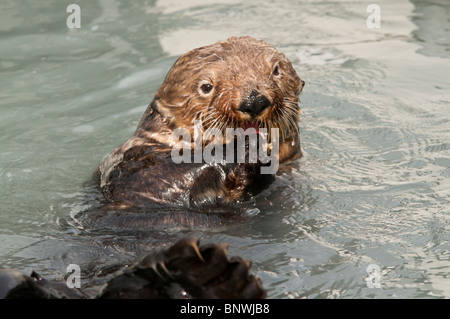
{"x":241,"y":82}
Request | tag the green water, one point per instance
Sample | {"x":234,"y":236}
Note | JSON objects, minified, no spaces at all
{"x":372,"y":189}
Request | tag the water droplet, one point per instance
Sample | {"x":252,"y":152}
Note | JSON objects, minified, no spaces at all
{"x":252,"y":212}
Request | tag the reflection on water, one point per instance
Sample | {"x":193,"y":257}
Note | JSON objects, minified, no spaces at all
{"x":372,"y":188}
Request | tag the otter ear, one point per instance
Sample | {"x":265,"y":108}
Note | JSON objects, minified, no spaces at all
{"x":160,"y":107}
{"x":156,"y":108}
{"x":299,"y":85}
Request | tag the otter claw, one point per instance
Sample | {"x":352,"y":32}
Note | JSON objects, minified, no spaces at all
{"x":161,"y":264}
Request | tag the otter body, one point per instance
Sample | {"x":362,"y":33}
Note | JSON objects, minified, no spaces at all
{"x":238,"y":83}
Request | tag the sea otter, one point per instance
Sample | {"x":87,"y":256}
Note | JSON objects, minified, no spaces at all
{"x":243,"y":83}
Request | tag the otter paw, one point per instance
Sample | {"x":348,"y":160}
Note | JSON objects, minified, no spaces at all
{"x":186,"y":270}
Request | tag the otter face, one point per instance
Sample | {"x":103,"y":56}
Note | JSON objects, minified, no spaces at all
{"x":242,"y":82}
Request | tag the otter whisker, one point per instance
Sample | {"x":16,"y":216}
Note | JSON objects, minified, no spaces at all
{"x":293,"y":125}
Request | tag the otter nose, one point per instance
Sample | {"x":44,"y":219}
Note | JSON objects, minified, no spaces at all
{"x":254,"y":104}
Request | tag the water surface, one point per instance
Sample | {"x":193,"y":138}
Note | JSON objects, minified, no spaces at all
{"x":373,"y":187}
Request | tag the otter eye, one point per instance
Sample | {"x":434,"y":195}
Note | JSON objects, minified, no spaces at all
{"x":276,"y":71}
{"x":206,"y":88}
